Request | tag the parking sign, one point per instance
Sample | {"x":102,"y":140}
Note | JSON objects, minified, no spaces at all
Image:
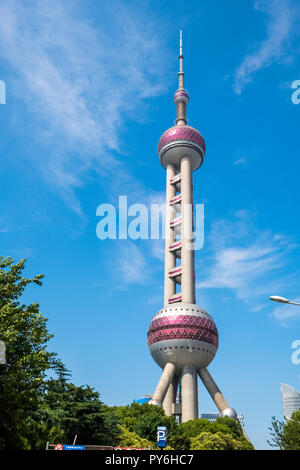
{"x":162,"y":436}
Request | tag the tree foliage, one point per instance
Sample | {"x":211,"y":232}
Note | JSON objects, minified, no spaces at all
{"x":285,"y":435}
{"x":179,"y":441}
{"x":80,"y":412}
{"x":276,"y":432}
{"x":216,"y":441}
{"x":144,"y":419}
{"x":224,"y":433}
{"x":131,"y":439}
{"x":24,"y":332}
{"x":34,"y":409}
{"x":291,"y":433}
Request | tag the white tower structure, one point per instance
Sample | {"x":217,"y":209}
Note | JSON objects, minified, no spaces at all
{"x":290,"y":400}
{"x":182,"y":337}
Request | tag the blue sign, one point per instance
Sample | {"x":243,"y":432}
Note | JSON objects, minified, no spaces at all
{"x":69,"y":447}
{"x":162,"y":436}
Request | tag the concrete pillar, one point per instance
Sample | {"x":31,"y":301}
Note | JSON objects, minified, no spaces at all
{"x":213,"y":389}
{"x":196,"y":394}
{"x":189,"y":393}
{"x":187,"y":252}
{"x":181,"y":114}
{"x":170,"y":398}
{"x":170,"y":259}
{"x":163,"y":385}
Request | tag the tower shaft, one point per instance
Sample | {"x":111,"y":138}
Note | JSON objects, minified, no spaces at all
{"x":170,"y":258}
{"x":179,"y":235}
{"x":187,"y":248}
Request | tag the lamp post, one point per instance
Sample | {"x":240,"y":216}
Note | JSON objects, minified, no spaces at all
{"x":283,"y":300}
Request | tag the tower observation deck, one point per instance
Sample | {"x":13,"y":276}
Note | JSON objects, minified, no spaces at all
{"x":182,"y":337}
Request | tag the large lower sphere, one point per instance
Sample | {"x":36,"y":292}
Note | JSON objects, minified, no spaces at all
{"x":183,"y":334}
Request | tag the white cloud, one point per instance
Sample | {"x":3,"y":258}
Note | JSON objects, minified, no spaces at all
{"x":284,"y":313}
{"x":158,"y":249}
{"x":131,"y":264}
{"x":273,"y":47}
{"x":241,"y":161}
{"x":245,"y":260}
{"x":79,"y":82}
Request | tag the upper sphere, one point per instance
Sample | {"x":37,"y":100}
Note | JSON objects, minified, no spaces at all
{"x":179,"y":141}
{"x":181,"y":95}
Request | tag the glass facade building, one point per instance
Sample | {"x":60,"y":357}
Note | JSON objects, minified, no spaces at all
{"x":290,"y":400}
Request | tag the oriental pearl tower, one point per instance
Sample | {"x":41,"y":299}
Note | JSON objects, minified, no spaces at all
{"x":182,"y":337}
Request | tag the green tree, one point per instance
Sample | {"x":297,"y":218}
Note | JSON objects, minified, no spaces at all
{"x":291,"y":433}
{"x":215,"y":441}
{"x":276,"y":433}
{"x":232,"y":425}
{"x":179,"y":441}
{"x":32,"y":408}
{"x":23,"y":329}
{"x":71,"y":410}
{"x":147,"y":423}
{"x":228,"y":432}
{"x":129,"y":414}
{"x":131,"y":439}
{"x":144,"y":419}
{"x":194,"y":427}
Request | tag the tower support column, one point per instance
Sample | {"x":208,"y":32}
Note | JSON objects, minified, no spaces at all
{"x":189,"y":393}
{"x":163,"y":385}
{"x":187,"y":251}
{"x":170,"y":260}
{"x":213,"y":389}
{"x":170,"y":398}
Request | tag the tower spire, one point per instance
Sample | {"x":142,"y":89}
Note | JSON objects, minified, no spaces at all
{"x":181,"y":97}
{"x":181,"y":73}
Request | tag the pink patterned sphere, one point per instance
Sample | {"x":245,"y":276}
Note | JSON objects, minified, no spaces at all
{"x":183,"y":334}
{"x":179,"y":141}
{"x":181,"y":95}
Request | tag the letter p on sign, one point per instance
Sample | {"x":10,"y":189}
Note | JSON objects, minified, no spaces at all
{"x":161,"y":436}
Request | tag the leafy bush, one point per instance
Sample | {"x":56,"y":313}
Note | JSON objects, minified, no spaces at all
{"x":131,"y":439}
{"x":216,"y":441}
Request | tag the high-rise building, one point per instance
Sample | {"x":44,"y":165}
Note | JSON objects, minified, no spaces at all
{"x":182,"y":337}
{"x":290,"y":400}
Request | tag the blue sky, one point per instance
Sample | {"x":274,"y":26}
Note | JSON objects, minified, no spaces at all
{"x":89,"y":92}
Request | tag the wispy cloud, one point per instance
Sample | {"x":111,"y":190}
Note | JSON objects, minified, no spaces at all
{"x":79,"y":83}
{"x":241,"y":161}
{"x":274,"y":47}
{"x":158,"y":249}
{"x":284,"y":313}
{"x":245,"y":260}
{"x":244,"y":156}
{"x":131,"y":263}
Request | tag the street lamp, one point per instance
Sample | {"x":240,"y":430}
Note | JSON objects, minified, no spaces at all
{"x":282,"y":300}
